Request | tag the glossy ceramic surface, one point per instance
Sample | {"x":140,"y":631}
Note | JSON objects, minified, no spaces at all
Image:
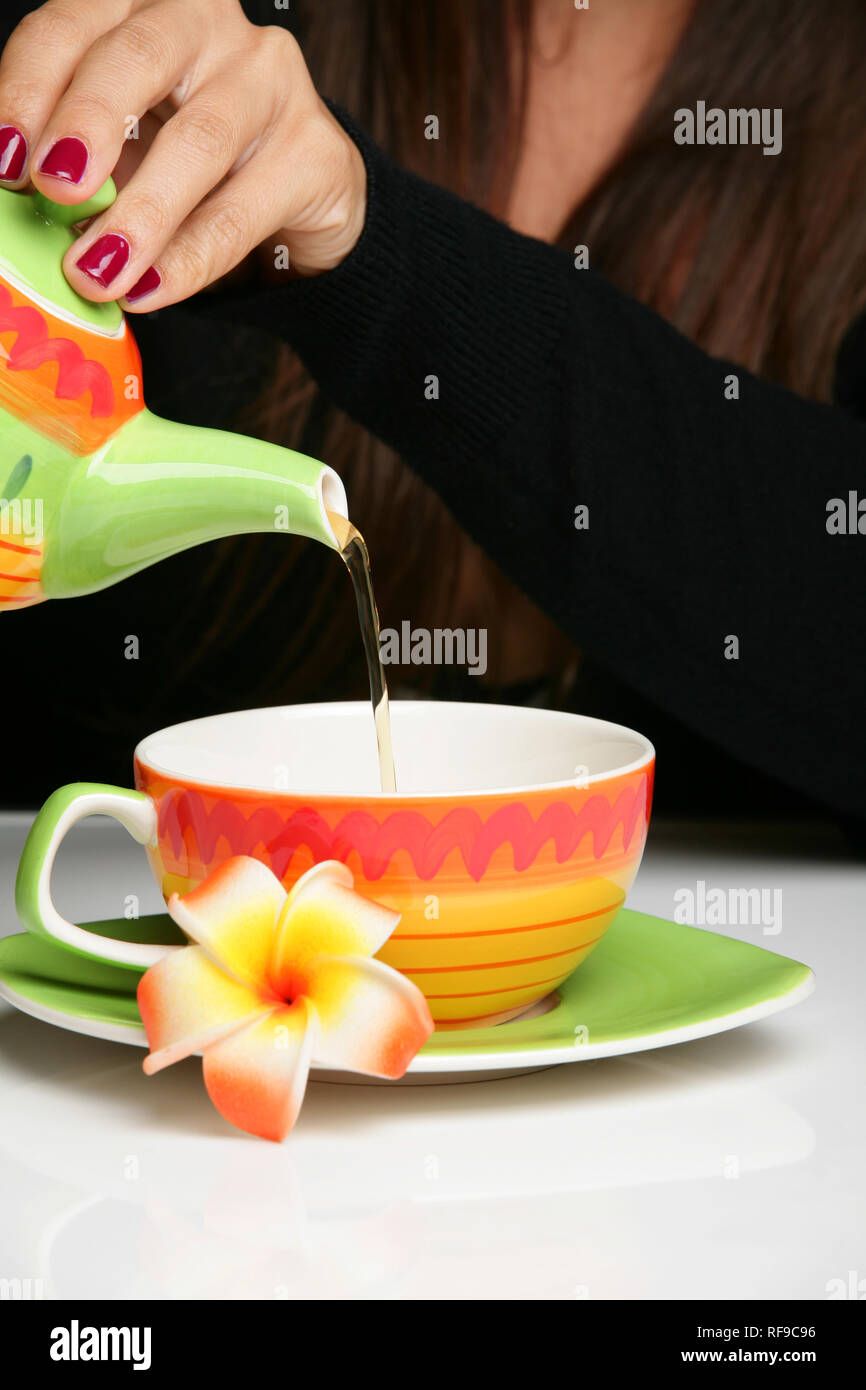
{"x":651,"y":983}
{"x":93,"y":486}
{"x":506,"y":874}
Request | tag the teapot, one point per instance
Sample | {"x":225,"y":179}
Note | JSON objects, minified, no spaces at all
{"x":93,"y":485}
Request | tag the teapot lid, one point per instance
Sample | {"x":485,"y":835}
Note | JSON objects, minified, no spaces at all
{"x":35,"y":234}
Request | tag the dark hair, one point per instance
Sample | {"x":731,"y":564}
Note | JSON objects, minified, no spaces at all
{"x":758,"y":259}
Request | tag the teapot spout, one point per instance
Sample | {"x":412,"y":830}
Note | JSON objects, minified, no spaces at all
{"x":157,"y":488}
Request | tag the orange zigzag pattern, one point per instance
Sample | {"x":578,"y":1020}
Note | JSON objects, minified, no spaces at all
{"x":428,"y":844}
{"x":75,"y":372}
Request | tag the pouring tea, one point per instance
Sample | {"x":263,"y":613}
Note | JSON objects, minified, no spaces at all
{"x":93,"y":485}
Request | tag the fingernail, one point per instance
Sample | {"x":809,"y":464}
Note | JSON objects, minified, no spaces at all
{"x":150,"y":281}
{"x":67,"y":159}
{"x":13,"y":153}
{"x":105,"y":259}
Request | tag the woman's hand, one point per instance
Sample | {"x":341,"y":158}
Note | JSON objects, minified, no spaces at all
{"x":213,"y":126}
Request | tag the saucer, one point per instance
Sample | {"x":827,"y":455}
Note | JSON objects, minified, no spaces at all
{"x":649,"y":983}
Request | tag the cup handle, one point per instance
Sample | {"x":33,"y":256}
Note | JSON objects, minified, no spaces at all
{"x":63,"y":809}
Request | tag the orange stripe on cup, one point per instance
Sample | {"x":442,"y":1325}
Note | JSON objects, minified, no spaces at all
{"x":516,"y":989}
{"x":21,"y":549}
{"x":503,"y":931}
{"x":496,"y":965}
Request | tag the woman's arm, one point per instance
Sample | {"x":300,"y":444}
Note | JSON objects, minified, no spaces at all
{"x":523,"y":388}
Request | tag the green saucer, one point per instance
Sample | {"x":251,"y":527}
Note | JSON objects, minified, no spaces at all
{"x":649,"y":983}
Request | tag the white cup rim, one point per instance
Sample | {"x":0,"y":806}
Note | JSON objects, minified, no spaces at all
{"x":401,"y":710}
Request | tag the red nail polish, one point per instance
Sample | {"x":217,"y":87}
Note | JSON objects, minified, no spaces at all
{"x":150,"y":281}
{"x":105,"y":259}
{"x":67,"y":159}
{"x":13,"y":153}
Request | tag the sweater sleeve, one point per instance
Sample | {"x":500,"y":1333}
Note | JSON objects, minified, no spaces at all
{"x":705,"y":571}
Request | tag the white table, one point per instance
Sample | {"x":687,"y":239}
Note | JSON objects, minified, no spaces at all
{"x":732,"y":1167}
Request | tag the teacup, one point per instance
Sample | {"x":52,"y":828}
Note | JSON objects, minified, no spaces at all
{"x":508,"y":849}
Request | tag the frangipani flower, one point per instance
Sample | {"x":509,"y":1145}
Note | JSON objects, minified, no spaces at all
{"x":274,"y":981}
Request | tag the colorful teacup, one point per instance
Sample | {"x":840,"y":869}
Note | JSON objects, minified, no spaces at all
{"x":508,"y":850}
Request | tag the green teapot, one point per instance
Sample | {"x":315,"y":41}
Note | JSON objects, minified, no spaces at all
{"x":93,"y":486}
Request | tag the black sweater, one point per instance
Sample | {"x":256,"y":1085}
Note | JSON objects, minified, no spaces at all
{"x":707,"y":516}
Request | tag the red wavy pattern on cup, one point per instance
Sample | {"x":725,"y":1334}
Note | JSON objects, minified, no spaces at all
{"x":183,"y":810}
{"x":75,"y":372}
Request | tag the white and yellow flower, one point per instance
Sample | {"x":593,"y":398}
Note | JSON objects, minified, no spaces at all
{"x":275,"y":981}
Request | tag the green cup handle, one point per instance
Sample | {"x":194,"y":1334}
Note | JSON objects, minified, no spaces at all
{"x":63,"y":809}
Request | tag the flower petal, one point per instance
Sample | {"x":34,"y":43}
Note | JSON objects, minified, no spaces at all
{"x":257,"y":1077}
{"x":324,"y":916}
{"x":186,"y":1002}
{"x":233,"y":915}
{"x":371,"y":1018}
